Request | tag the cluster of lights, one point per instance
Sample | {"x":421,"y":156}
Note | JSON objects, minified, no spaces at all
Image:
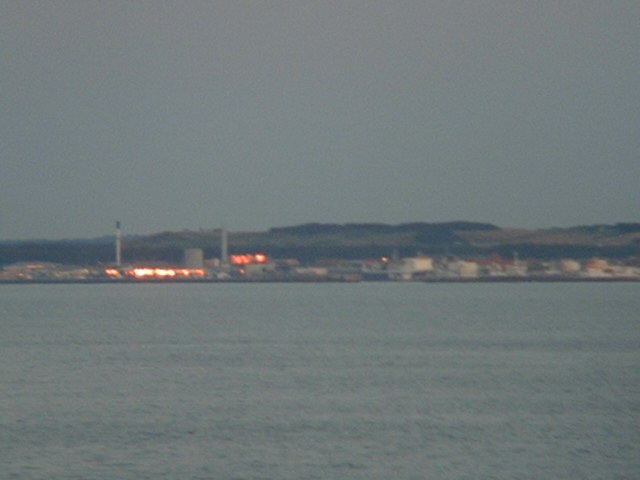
{"x":248,"y":258}
{"x":147,"y":272}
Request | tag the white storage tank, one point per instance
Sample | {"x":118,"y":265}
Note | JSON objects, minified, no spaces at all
{"x":464,"y":269}
{"x":193,"y":258}
{"x":570,"y":266}
{"x":409,"y":267}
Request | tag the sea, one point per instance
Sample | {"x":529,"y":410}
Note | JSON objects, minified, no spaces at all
{"x":320,"y":381}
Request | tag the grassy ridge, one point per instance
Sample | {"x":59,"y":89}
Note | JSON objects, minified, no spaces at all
{"x":314,"y":241}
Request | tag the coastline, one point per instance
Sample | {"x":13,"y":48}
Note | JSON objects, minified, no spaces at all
{"x":530,"y":279}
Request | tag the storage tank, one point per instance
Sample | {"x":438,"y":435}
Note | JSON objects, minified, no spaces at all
{"x":464,"y":269}
{"x":193,"y":258}
{"x":569,"y":266}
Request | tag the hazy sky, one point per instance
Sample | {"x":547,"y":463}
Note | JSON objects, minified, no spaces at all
{"x":253,"y":114}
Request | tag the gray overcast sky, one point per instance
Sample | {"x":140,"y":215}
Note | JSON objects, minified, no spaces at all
{"x":253,"y":114}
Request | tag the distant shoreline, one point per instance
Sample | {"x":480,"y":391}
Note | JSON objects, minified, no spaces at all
{"x":554,"y":279}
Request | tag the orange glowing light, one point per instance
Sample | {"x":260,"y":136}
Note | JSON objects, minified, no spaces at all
{"x":239,"y":259}
{"x":161,"y":272}
{"x":142,"y":272}
{"x":147,"y":272}
{"x":248,"y":258}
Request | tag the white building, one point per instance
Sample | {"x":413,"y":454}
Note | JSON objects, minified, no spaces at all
{"x":464,"y":269}
{"x":408,"y":268}
{"x":569,"y":266}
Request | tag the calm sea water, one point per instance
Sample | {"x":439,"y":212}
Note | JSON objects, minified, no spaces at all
{"x":320,"y":381}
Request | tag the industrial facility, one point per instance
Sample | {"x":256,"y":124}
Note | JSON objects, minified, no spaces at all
{"x":198,"y":265}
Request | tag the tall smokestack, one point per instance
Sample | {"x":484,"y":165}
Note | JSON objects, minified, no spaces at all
{"x":118,"y":244}
{"x":224,"y":248}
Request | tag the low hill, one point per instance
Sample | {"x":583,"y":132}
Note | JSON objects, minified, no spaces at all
{"x":314,"y":241}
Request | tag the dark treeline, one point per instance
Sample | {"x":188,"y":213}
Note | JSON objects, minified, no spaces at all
{"x":104,"y":254}
{"x":57,"y":252}
{"x":619,"y":228}
{"x":314,"y":241}
{"x":435,"y":229}
{"x":539,"y":252}
{"x":84,"y":254}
